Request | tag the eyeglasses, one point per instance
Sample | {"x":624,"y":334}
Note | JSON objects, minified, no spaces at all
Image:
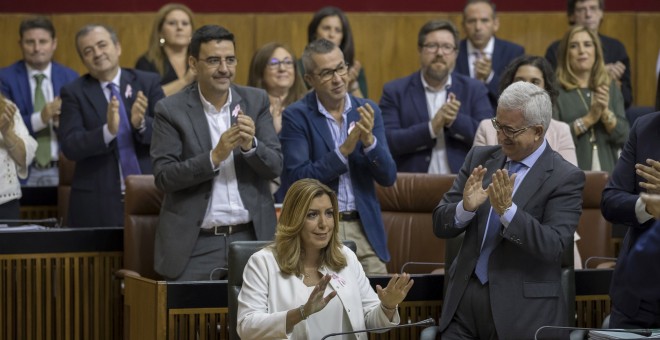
{"x":275,"y":63}
{"x":326,"y":75}
{"x":506,"y":130}
{"x":213,"y":62}
{"x":433,"y":48}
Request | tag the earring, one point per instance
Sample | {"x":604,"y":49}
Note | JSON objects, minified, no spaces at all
{"x":162,"y":41}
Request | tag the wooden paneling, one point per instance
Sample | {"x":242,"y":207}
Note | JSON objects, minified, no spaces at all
{"x":648,"y":46}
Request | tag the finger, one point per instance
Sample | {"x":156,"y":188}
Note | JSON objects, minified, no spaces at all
{"x":329,"y":297}
{"x":655,"y":164}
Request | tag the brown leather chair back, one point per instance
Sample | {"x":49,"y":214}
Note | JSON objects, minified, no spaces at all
{"x":66,"y":168}
{"x":595,"y":232}
{"x":407,"y":209}
{"x":141,"y":212}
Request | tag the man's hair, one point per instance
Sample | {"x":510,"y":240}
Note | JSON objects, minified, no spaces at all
{"x":321,"y":46}
{"x":90,"y":27}
{"x":36,"y":22}
{"x":549,"y":79}
{"x":208,"y":33}
{"x":570,"y":8}
{"x":533,"y":101}
{"x":437,"y":25}
{"x":488,"y":2}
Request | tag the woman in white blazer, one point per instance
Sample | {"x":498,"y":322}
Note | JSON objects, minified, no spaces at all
{"x":307,"y":284}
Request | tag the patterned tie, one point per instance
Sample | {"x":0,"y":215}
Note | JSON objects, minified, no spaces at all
{"x":492,"y":228}
{"x":127,"y":158}
{"x":42,"y":155}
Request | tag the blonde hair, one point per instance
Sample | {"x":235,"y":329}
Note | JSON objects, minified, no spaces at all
{"x":287,"y":247}
{"x":565,"y":74}
{"x":155,"y":53}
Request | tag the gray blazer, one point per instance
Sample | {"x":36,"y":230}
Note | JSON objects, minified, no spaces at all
{"x":182,"y":169}
{"x":525,"y":267}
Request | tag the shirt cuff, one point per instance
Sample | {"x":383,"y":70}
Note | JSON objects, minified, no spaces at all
{"x":254,"y":147}
{"x":372,"y":146}
{"x":107,"y":135}
{"x":341,"y":157}
{"x":640,"y":211}
{"x":462,"y":216}
{"x":433,"y":136}
{"x":211,"y":161}
{"x":37,"y":123}
{"x":490,"y":77}
{"x":508,"y":215}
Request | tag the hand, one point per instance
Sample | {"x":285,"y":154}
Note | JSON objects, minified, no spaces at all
{"x":616,"y":70}
{"x":446,"y":115}
{"x":474,"y":194}
{"x":351,"y":141}
{"x":483,"y":68}
{"x":113,"y":115}
{"x":500,"y":191}
{"x":246,"y":130}
{"x":316,"y":301}
{"x":396,"y":290}
{"x":139,"y":108}
{"x":652,"y":204}
{"x":51,"y":111}
{"x":229,"y":140}
{"x":601,"y":97}
{"x":7,"y":113}
{"x":651,"y":174}
{"x":366,"y":124}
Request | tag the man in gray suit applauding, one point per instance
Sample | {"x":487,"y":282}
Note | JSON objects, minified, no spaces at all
{"x":214,"y":151}
{"x":518,"y":204}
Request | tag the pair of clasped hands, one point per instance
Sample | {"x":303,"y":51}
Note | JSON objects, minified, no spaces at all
{"x":362,"y":130}
{"x":137,"y":112}
{"x":499,"y":191}
{"x":651,"y":173}
{"x":446,"y":115}
{"x":241,"y":133}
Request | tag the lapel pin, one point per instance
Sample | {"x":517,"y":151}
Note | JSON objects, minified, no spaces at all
{"x":129,"y":91}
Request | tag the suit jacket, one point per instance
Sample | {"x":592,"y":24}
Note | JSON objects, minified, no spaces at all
{"x":14,"y":84}
{"x":96,"y":197}
{"x":613,"y":51}
{"x":618,"y":203}
{"x":558,"y":136}
{"x":180,"y":151}
{"x":309,"y":152}
{"x":525,"y":267}
{"x":267,"y":294}
{"x":503,"y":53}
{"x":406,"y":119}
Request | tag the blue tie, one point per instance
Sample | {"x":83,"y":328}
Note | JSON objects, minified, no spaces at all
{"x":492,"y":228}
{"x":127,"y":157}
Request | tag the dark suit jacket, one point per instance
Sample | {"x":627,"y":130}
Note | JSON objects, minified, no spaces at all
{"x":15,"y":85}
{"x":182,"y":168}
{"x":406,"y":119}
{"x":619,"y":198}
{"x":503,"y":53}
{"x":613,"y":51}
{"x":525,"y":267}
{"x":96,"y":197}
{"x":309,"y":152}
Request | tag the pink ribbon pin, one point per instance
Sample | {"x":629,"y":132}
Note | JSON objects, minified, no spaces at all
{"x":235,"y":112}
{"x":129,"y":91}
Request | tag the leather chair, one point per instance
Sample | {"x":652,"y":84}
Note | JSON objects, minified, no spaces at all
{"x":407,"y":211}
{"x":239,"y":254}
{"x":595,"y":245}
{"x":142,"y":203}
{"x":66,"y":169}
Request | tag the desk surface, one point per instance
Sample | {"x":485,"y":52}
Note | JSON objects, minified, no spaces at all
{"x":62,"y":240}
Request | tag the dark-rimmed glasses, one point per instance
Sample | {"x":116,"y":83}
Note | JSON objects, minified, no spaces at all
{"x":216,"y":61}
{"x":508,"y":131}
{"x":432,"y":48}
{"x":326,"y":75}
{"x":275,"y":63}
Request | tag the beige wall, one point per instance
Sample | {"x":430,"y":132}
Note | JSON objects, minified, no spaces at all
{"x":385,"y":42}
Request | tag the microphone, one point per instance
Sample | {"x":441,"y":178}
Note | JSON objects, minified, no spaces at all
{"x":643,"y":333}
{"x":423,"y":323}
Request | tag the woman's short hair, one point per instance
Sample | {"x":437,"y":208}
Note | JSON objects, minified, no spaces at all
{"x":346,"y":45}
{"x":258,"y":66}
{"x":549,"y":79}
{"x":565,"y":74}
{"x":287,"y":247}
{"x":155,"y":53}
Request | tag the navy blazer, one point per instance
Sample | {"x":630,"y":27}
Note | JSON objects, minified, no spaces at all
{"x":406,"y":119}
{"x":503,"y":53}
{"x":618,"y":203}
{"x":15,"y":85}
{"x":613,"y":51}
{"x":96,"y":197}
{"x":309,"y":152}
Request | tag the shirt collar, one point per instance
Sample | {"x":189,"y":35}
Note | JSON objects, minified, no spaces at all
{"x":428,"y":87}
{"x":347,"y":106}
{"x":530,"y":160}
{"x":210,"y":108}
{"x":490,"y":47}
{"x":32,"y":72}
{"x":116,"y":80}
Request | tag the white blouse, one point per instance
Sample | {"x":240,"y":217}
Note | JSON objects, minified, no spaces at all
{"x":10,"y":171}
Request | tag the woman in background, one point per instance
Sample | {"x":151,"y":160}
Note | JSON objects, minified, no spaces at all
{"x":168,"y":48}
{"x":331,"y":23}
{"x":589,"y":101}
{"x":17,"y":149}
{"x":306,"y":284}
{"x":273,"y":68}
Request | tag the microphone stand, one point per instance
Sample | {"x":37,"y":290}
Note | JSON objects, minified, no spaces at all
{"x":427,"y":322}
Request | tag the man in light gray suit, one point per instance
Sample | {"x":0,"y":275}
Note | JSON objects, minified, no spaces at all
{"x":505,"y":281}
{"x":214,"y":151}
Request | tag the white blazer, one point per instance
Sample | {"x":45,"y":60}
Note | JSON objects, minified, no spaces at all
{"x":267,"y":294}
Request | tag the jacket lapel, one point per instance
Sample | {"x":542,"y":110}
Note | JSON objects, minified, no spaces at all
{"x":198,"y":118}
{"x":495,"y":163}
{"x":24,"y":88}
{"x":92,"y":90}
{"x":236,"y":101}
{"x":319,"y":121}
{"x":534,"y":179}
{"x":417,"y":96}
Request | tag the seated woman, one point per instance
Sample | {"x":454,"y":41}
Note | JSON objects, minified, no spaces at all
{"x":289,"y":287}
{"x":17,"y":149}
{"x":168,"y":48}
{"x":273,"y":69}
{"x":331,"y":23}
{"x":589,"y":101}
{"x":535,"y":70}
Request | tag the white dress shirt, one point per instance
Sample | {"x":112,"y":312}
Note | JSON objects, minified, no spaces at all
{"x":472,"y":53}
{"x":434,"y":101}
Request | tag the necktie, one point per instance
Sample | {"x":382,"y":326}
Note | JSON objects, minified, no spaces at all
{"x":127,"y":158}
{"x":42,"y":155}
{"x":492,"y":228}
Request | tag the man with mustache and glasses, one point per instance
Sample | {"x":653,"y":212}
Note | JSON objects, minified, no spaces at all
{"x":215,"y":152}
{"x":431,"y":116}
{"x":105,"y":127}
{"x":339,"y":139}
